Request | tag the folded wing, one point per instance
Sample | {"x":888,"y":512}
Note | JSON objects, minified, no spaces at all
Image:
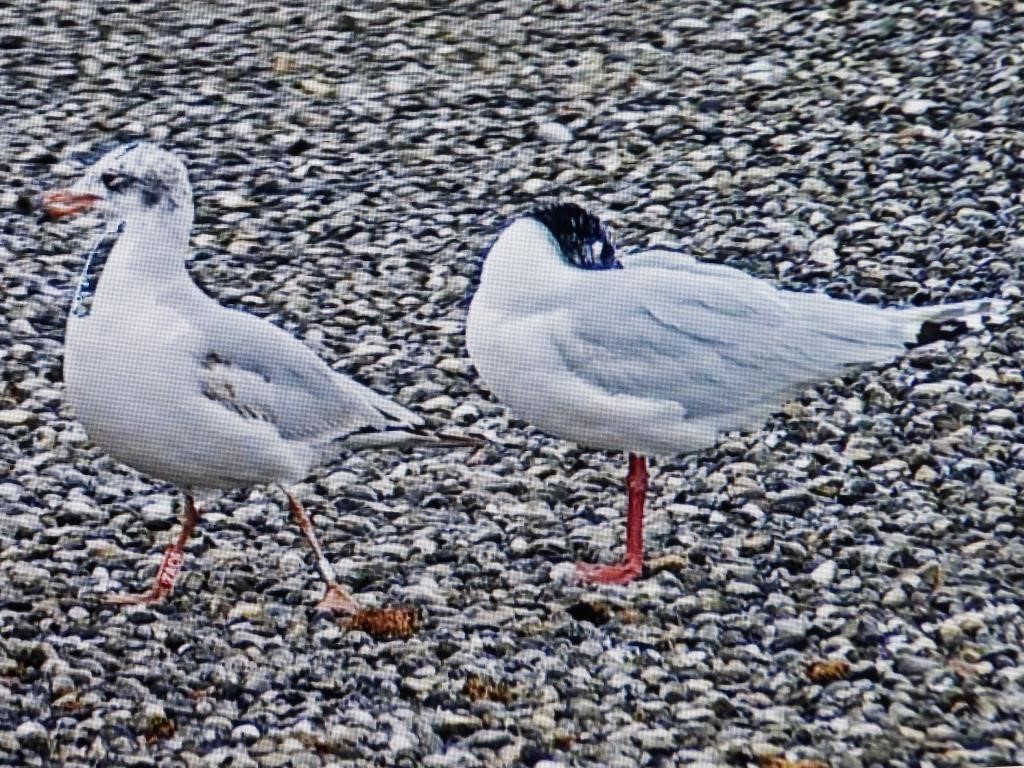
{"x":260,"y":372}
{"x":720,"y":344}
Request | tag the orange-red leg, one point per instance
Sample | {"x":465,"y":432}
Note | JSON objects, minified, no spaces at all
{"x":170,"y":567}
{"x":336,"y":598}
{"x":633,"y":563}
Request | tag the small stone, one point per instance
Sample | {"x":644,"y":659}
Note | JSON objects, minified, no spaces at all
{"x":245,"y":610}
{"x":315,"y":87}
{"x":914,"y":107}
{"x":232,"y":200}
{"x":450,"y":724}
{"x":688,"y":712}
{"x":158,"y":510}
{"x":950,"y":632}
{"x":466,"y":413}
{"x":15,"y":417}
{"x":914,"y":666}
{"x":892,"y":465}
{"x":655,"y":738}
{"x":402,"y":741}
{"x":337,"y":482}
{"x":282,"y":63}
{"x":533,"y":186}
{"x":438,"y":403}
{"x":61,"y":684}
{"x":756,"y":544}
{"x":291,"y":562}
{"x":789,"y":633}
{"x":32,"y":735}
{"x":764,"y":73}
{"x":247,"y":732}
{"x":745,"y":17}
{"x":933,"y":389}
{"x":894,"y":598}
{"x":1003,"y":417}
{"x":942,"y":732}
{"x":824,"y":574}
{"x":970,"y":622}
{"x":459,"y":366}
{"x":794,"y":501}
{"x":826,"y":257}
{"x":741,"y":588}
{"x":554,"y":133}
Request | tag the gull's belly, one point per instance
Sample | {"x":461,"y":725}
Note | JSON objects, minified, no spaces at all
{"x":520,"y":363}
{"x":524,"y":360}
{"x":126,"y":393}
{"x":139,"y":399}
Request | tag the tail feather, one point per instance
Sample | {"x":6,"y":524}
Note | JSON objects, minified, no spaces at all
{"x":950,"y":321}
{"x":408,"y":438}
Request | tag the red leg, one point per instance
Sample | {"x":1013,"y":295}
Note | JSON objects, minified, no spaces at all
{"x":336,"y":599}
{"x":163,"y":584}
{"x":633,"y":563}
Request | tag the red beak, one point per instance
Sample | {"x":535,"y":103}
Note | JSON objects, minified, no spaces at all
{"x":62,"y":203}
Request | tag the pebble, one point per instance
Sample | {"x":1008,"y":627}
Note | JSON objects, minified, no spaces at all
{"x":1004,"y":417}
{"x":554,"y":133}
{"x":894,"y":598}
{"x":246,"y":732}
{"x":824,"y":574}
{"x":655,"y":738}
{"x":915,"y":107}
{"x":15,"y":417}
{"x":33,"y":736}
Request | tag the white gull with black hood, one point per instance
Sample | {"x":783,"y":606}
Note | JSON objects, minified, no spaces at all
{"x":168,"y":381}
{"x":657,"y":353}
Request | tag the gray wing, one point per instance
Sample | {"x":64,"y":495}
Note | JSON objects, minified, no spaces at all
{"x":716,"y":341}
{"x":259,"y":371}
{"x":659,"y":258}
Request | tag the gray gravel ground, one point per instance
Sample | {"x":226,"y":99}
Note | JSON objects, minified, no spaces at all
{"x":350,"y":167}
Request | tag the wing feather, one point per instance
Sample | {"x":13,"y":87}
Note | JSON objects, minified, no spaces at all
{"x":259,"y":371}
{"x":721,"y":344}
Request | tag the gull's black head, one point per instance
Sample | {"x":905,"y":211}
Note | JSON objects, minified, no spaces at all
{"x":582,"y":239}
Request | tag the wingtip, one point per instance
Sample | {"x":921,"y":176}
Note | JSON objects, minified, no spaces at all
{"x":411,"y":438}
{"x":445,"y":440}
{"x":948,"y":324}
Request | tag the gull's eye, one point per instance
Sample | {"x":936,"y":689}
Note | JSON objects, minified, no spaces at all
{"x":115,"y":182}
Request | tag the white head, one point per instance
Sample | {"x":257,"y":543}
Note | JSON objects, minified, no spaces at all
{"x":131,"y":181}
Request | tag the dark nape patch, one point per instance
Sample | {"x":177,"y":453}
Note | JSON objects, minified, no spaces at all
{"x":582,"y":238}
{"x":150,"y":197}
{"x":155,"y":190}
{"x":935,"y":330}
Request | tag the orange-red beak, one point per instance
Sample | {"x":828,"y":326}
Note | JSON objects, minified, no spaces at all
{"x":63,"y":203}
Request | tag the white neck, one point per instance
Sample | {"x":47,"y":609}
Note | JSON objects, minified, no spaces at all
{"x":155,"y":243}
{"x":147,"y":262}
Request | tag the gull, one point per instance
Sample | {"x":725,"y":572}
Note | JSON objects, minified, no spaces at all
{"x":171,"y":383}
{"x":655,"y":353}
